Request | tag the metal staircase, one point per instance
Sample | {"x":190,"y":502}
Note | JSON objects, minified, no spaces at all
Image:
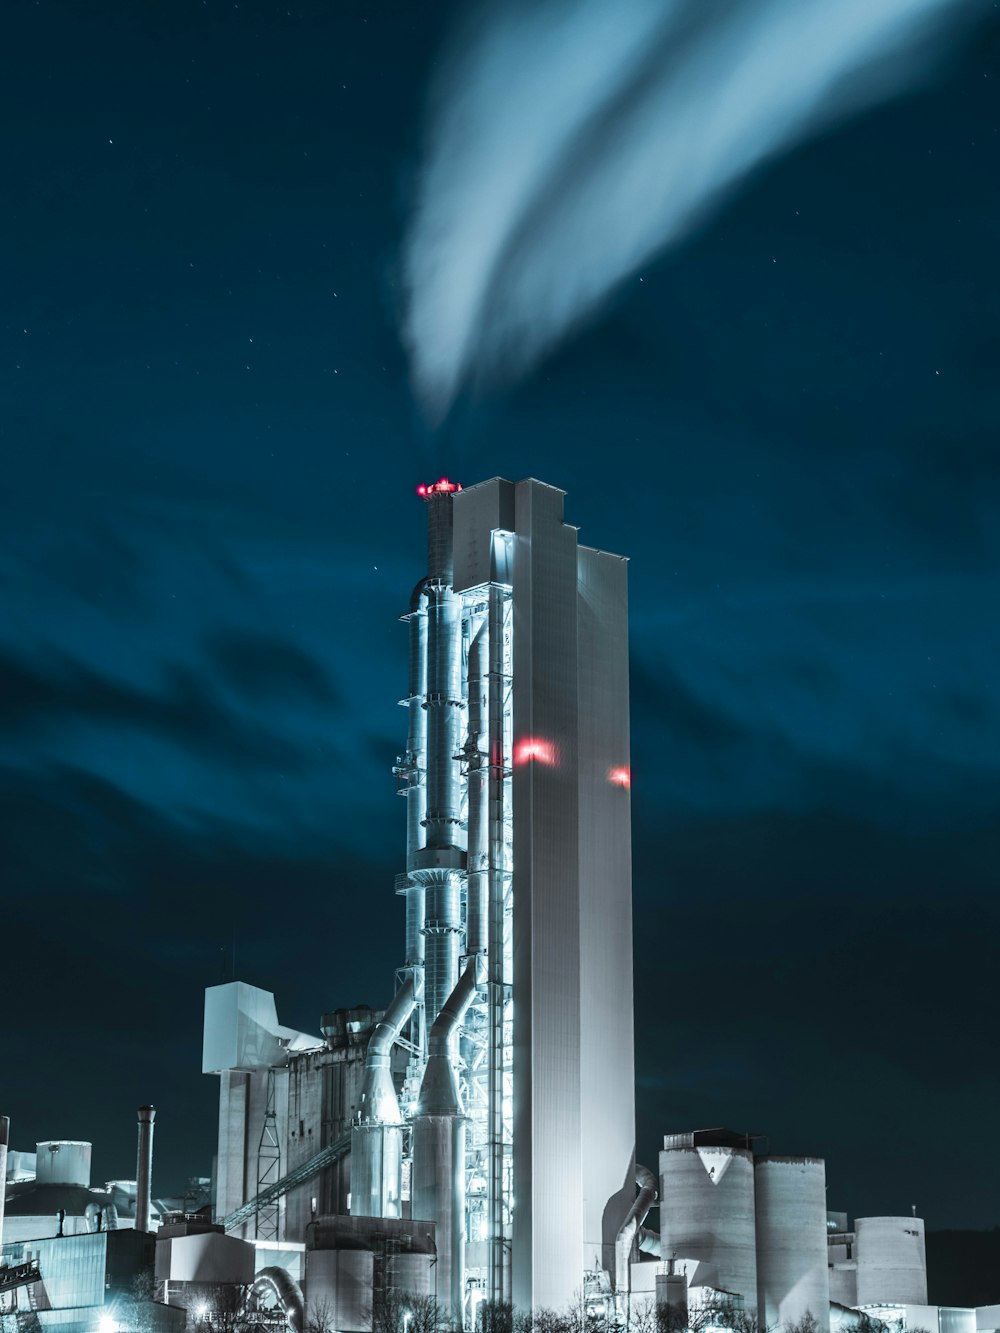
{"x":325,"y":1157}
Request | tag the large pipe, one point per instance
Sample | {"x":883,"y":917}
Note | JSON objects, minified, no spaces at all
{"x":279,"y":1283}
{"x":4,"y":1141}
{"x":379,"y":1103}
{"x":439,"y":1093}
{"x":632,"y":1224}
{"x":443,"y":812}
{"x":377,"y":1138}
{"x":478,"y":824}
{"x":414,"y":767}
{"x":144,"y":1168}
{"x":498,"y":1287}
{"x":439,"y":1144}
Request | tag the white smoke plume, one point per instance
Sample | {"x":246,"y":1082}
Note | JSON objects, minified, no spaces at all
{"x":573,"y":140}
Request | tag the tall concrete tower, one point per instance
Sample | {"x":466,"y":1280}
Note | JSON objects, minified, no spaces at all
{"x":493,"y":1095}
{"x":519,"y":917}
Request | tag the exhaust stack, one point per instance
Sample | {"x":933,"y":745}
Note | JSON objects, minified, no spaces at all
{"x":144,"y":1167}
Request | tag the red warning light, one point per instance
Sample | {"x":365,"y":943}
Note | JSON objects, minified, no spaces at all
{"x":532,"y":749}
{"x":442,"y":487}
{"x":620,"y":777}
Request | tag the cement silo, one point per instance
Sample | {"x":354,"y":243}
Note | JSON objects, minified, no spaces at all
{"x":63,"y":1162}
{"x":707,"y":1210}
{"x":892,"y":1264}
{"x":792,"y":1261}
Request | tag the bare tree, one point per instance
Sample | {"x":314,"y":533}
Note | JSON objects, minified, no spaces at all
{"x":225,"y":1309}
{"x":319,"y":1316}
{"x":408,"y":1312}
{"x":496,"y":1317}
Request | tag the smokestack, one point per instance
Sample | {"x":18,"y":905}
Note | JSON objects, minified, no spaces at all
{"x":4,"y":1140}
{"x":144,"y":1168}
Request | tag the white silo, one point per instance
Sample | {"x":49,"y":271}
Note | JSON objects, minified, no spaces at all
{"x":63,"y":1162}
{"x":891,"y":1259}
{"x":707,"y":1210}
{"x":792,"y":1261}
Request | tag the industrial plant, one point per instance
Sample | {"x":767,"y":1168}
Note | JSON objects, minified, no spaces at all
{"x":467,"y":1145}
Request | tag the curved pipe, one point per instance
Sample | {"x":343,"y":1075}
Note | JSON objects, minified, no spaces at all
{"x":439,"y":1088}
{"x":649,"y":1242}
{"x":634,"y":1219}
{"x":379,"y":1103}
{"x":286,"y":1291}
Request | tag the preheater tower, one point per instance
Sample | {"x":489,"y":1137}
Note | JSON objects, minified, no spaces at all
{"x":518,"y":908}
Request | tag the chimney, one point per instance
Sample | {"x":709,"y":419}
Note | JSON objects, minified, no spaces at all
{"x":144,"y":1168}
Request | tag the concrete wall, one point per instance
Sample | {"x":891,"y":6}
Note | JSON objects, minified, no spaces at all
{"x":339,"y":1286}
{"x":607,"y":1064}
{"x":548,"y":1158}
{"x":63,"y":1162}
{"x":707,"y":1215}
{"x":209,"y":1257}
{"x":792,"y":1251}
{"x":891,"y":1260}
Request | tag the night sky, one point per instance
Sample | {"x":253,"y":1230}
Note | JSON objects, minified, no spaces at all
{"x":209,"y":528}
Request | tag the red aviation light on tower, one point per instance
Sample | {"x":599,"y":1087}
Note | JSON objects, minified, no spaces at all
{"x":535,"y":750}
{"x":442,"y":487}
{"x":620,"y":777}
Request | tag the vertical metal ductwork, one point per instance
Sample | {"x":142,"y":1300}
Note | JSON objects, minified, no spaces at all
{"x":499,"y":1267}
{"x":144,"y":1168}
{"x":630,"y":1228}
{"x":4,"y":1141}
{"x":477,"y":881}
{"x":439,"y":864}
{"x":412,"y":768}
{"x":377,"y":1138}
{"x":438,"y":1183}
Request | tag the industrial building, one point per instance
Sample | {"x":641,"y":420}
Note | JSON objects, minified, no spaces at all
{"x":77,"y":1259}
{"x":493,"y":1096}
{"x":471,"y":1139}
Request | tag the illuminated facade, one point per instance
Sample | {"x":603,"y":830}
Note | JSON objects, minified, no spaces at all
{"x":518,"y":906}
{"x":493,"y":1097}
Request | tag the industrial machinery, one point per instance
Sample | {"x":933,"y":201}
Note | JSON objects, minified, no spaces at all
{"x":493,"y":1095}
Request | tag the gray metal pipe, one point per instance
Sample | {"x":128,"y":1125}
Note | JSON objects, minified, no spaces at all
{"x":379,"y":1103}
{"x":634,"y":1219}
{"x":439,"y":1093}
{"x":279,"y":1283}
{"x":649,"y":1242}
{"x":144,"y":1168}
{"x":377,"y":1138}
{"x":477,"y":881}
{"x":439,"y":1143}
{"x":499,"y":1285}
{"x":442,"y":820}
{"x":415,"y":764}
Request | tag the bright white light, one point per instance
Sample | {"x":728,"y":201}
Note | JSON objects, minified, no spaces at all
{"x":108,"y":1324}
{"x":200,"y":1311}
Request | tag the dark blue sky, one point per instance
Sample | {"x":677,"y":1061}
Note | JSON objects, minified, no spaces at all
{"x":209,"y":528}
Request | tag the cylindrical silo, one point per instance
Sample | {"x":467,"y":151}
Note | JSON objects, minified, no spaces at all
{"x":892,"y":1264}
{"x":63,"y":1162}
{"x":707,"y":1214}
{"x":438,"y":1185}
{"x":792,"y":1262}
